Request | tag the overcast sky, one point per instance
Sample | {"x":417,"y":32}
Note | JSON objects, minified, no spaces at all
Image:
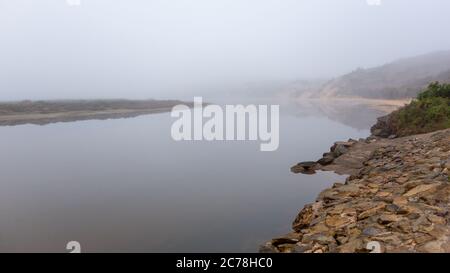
{"x":165,"y":48}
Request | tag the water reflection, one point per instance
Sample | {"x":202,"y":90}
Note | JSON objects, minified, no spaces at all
{"x":358,"y":114}
{"x":125,"y":185}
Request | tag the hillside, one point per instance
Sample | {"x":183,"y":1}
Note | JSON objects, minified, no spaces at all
{"x":400,"y":79}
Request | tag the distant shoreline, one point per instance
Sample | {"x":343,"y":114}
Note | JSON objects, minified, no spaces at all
{"x":47,"y":112}
{"x":385,"y":105}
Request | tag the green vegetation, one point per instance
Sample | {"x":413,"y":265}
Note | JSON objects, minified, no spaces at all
{"x":435,"y":90}
{"x":429,"y":112}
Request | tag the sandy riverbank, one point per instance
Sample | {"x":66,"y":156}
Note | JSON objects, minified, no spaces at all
{"x":384,"y":105}
{"x":45,"y":112}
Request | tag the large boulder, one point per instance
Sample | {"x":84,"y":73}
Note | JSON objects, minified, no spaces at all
{"x":307,"y":167}
{"x":340,"y":150}
{"x":341,"y":147}
{"x":327,"y":159}
{"x":383,"y":127}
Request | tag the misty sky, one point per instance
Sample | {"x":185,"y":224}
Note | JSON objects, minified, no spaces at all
{"x":167,"y":48}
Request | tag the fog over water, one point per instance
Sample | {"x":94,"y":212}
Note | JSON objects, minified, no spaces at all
{"x":178,"y":48}
{"x":125,"y":185}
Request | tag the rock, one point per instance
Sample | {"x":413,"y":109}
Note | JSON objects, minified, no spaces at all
{"x":297,"y":169}
{"x":268,"y":248}
{"x":383,"y":194}
{"x":319,"y":228}
{"x":392,"y":208}
{"x":307,"y":164}
{"x":441,"y":245}
{"x":340,"y":149}
{"x":388,"y":239}
{"x":372,"y":211}
{"x":371,"y":231}
{"x":412,"y":216}
{"x":436,"y":219}
{"x":342,"y":239}
{"x":303,"y":219}
{"x":328,"y":194}
{"x":385,"y":219}
{"x":302,"y":248}
{"x":397,"y":193}
{"x":351,"y":246}
{"x":383,"y":127}
{"x":284,"y":240}
{"x":328,"y":154}
{"x":322,"y":239}
{"x":326,"y":160}
{"x":325,"y":240}
{"x":402,"y":179}
{"x":287,"y":248}
{"x":342,"y":220}
{"x":422,"y":238}
{"x":306,"y":167}
{"x":400,"y":201}
{"x":420,"y":189}
{"x":346,"y":144}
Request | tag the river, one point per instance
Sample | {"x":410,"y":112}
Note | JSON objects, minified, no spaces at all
{"x":125,"y":185}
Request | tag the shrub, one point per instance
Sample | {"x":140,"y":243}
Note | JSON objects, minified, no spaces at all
{"x":429,"y":112}
{"x":435,"y":89}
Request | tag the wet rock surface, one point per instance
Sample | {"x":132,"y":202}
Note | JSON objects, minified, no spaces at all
{"x":397,"y":194}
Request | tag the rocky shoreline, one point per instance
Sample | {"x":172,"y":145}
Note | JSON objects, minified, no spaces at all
{"x":397,"y":194}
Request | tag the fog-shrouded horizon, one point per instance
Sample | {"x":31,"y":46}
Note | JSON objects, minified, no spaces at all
{"x":58,"y":49}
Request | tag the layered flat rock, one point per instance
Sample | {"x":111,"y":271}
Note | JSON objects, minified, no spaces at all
{"x":397,"y":197}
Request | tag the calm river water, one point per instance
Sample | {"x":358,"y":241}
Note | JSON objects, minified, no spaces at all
{"x":125,"y":186}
